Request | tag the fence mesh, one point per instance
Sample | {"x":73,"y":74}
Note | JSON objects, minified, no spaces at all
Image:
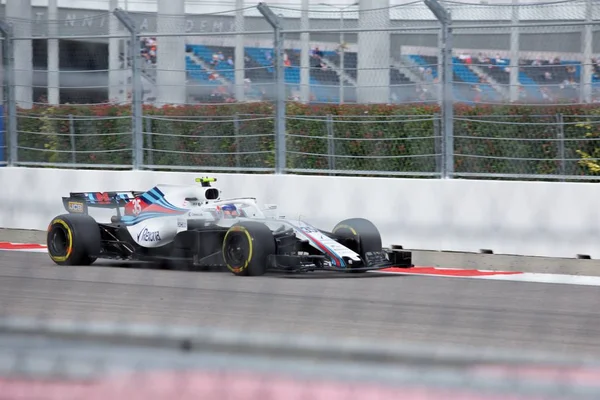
{"x":362,"y":97}
{"x":390,"y":55}
{"x":371,"y":145}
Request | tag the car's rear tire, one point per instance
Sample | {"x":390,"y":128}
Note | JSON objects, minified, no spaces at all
{"x":73,"y":239}
{"x":247,"y":247}
{"x":359,"y":235}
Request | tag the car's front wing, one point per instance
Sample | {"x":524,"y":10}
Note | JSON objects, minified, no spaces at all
{"x":387,"y":258}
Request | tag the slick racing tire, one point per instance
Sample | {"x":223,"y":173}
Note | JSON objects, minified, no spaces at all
{"x":246,"y":248}
{"x":359,"y":235}
{"x":73,"y":240}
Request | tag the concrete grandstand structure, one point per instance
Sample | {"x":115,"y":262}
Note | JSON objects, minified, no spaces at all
{"x":551,"y":59}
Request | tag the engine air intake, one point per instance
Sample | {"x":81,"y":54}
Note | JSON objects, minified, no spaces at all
{"x":211,"y":194}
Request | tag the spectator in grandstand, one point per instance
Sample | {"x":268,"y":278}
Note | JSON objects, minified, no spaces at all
{"x":501,"y":62}
{"x":316,"y":59}
{"x":222,"y":95}
{"x":546,"y":94}
{"x":483,"y":59}
{"x":217,"y":58}
{"x":146,"y":55}
{"x":148,"y":50}
{"x":568,"y":83}
{"x":465,"y":58}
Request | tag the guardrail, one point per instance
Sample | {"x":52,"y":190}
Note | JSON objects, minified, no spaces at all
{"x":521,"y":218}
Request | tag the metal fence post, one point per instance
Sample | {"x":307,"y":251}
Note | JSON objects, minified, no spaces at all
{"x":9,"y":92}
{"x":437,"y":143}
{"x":587,"y":49}
{"x":330,"y":144}
{"x":136,"y":82}
{"x":280,"y":153}
{"x":513,"y":90}
{"x":149,"y":141}
{"x":72,"y":137}
{"x":446,"y":77}
{"x":236,"y":133}
{"x":560,"y":135}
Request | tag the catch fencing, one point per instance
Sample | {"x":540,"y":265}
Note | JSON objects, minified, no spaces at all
{"x":486,"y":91}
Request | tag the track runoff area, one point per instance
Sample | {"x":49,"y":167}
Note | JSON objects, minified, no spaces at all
{"x":461,"y":273}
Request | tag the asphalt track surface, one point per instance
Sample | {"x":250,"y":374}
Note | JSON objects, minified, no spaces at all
{"x":563,"y":319}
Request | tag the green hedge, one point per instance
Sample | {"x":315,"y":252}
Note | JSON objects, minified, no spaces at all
{"x":403,"y":138}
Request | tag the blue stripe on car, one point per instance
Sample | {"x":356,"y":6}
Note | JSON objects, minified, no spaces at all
{"x":337,"y":259}
{"x":132,"y":220}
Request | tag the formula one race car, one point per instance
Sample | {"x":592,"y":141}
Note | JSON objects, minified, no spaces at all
{"x":192,"y":228}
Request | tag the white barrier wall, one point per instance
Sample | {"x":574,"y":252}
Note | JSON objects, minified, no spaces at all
{"x":526,"y":218}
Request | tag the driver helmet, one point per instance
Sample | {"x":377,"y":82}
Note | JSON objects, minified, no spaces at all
{"x":230,"y":211}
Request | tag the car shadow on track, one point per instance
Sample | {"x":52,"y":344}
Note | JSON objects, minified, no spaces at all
{"x":270,"y":274}
{"x":332,"y":275}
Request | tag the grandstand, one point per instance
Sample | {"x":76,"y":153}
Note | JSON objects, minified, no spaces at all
{"x":477,"y":77}
{"x":412,"y":63}
{"x":487,"y":76}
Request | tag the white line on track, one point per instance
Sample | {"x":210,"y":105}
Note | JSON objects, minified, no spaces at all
{"x":548,"y":278}
{"x":530,"y":277}
{"x":27,"y":250}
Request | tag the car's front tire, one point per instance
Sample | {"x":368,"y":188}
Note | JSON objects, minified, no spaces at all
{"x":73,"y":239}
{"x":359,"y":235}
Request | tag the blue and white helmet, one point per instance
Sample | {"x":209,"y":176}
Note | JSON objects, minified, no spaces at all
{"x":230,"y":211}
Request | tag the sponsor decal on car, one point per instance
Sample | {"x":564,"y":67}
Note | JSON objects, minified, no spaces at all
{"x":75,"y":207}
{"x":147,"y":236}
{"x":309,"y":229}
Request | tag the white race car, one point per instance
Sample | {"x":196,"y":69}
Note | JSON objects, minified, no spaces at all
{"x":192,"y":228}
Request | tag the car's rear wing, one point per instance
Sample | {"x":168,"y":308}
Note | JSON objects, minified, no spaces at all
{"x":79,"y":202}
